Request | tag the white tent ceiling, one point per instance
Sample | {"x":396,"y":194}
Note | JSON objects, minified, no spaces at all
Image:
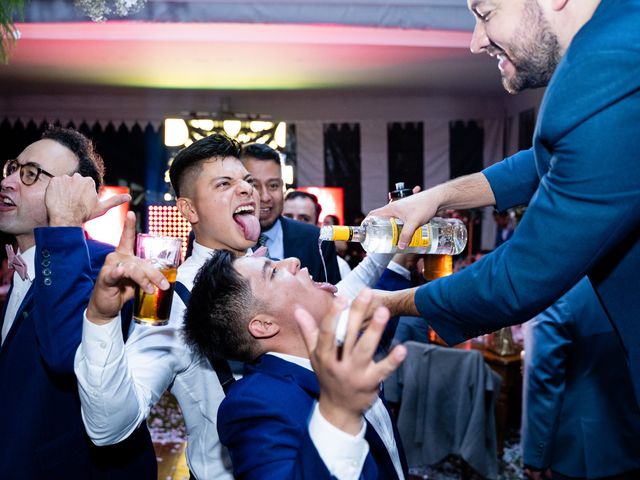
{"x":412,"y":46}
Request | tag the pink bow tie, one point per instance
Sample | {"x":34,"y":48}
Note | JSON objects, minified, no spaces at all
{"x":16,"y":262}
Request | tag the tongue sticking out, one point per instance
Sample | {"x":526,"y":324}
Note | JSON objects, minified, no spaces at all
{"x":327,"y":287}
{"x":250,"y":226}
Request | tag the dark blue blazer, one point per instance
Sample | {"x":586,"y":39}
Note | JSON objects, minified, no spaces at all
{"x":301,"y":241}
{"x":264,"y":419}
{"x":41,"y":431}
{"x":580,"y":417}
{"x":582,"y":182}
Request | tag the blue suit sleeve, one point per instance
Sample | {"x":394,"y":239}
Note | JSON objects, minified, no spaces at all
{"x":513,"y":180}
{"x":587,"y":204}
{"x":65,"y":275}
{"x":268,"y":438}
{"x":544,"y":382}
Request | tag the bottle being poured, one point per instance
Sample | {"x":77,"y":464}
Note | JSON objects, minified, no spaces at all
{"x":442,"y":236}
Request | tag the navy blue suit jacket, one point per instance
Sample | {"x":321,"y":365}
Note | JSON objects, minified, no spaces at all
{"x":580,"y":417}
{"x":582,"y":182}
{"x":41,"y":431}
{"x":263,"y":421}
{"x":301,"y":241}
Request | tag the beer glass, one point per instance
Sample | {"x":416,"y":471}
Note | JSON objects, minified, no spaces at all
{"x":164,"y":254}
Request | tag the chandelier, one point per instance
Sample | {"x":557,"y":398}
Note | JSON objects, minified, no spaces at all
{"x":98,"y":10}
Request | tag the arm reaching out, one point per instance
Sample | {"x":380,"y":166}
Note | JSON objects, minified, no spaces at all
{"x":465,"y":192}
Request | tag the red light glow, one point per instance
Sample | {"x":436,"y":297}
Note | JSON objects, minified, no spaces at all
{"x":108,"y":227}
{"x":330,"y":198}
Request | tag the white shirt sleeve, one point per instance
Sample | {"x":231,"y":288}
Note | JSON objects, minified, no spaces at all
{"x":366,"y":274}
{"x":342,"y":453}
{"x":119,"y":384}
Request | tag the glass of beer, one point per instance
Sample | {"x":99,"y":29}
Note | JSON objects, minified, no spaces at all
{"x":164,"y":254}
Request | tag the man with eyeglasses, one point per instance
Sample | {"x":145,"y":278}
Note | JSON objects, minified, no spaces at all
{"x":46,"y":194}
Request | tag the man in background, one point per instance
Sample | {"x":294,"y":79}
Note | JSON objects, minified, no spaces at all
{"x":302,"y":206}
{"x":282,"y":236}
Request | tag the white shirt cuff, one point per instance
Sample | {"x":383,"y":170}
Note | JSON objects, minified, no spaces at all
{"x":399,"y":269}
{"x":101,"y":344}
{"x":342,"y":453}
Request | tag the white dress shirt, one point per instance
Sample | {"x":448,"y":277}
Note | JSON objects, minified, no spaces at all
{"x":344,"y":454}
{"x":19,"y":290}
{"x":119,"y":383}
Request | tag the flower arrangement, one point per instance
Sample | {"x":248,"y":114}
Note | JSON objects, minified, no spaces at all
{"x":8,"y":32}
{"x":98,"y":10}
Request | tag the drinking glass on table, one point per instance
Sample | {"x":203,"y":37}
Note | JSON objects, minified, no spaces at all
{"x":164,"y":254}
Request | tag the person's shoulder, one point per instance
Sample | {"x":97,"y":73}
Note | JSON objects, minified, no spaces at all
{"x":612,"y":30}
{"x":260,"y":392}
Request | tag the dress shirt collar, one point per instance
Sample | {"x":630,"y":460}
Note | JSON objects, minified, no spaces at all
{"x":399,"y":269}
{"x":200,"y":253}
{"x":301,"y":362}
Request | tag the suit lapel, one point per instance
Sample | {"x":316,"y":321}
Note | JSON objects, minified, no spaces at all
{"x":6,"y":303}
{"x":23,"y":312}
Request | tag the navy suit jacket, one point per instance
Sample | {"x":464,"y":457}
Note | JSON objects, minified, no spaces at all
{"x":301,"y":240}
{"x":580,"y":417}
{"x":582,"y":182}
{"x":41,"y":431}
{"x":264,"y":419}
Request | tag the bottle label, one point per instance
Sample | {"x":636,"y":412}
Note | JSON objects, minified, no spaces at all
{"x":417,"y":240}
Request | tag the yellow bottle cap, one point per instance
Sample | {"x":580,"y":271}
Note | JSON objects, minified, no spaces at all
{"x":341,"y":233}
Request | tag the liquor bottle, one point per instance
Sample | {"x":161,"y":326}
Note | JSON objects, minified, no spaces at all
{"x":380,"y":235}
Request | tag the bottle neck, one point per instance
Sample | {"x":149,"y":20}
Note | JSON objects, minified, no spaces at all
{"x":339,"y":232}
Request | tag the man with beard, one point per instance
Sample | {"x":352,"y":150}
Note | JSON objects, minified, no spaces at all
{"x":581,"y":179}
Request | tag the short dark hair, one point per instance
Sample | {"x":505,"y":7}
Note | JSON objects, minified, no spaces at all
{"x":260,"y":151}
{"x":335,"y":219}
{"x":293,"y":194}
{"x":190,"y":158}
{"x":90,"y":163}
{"x":220,"y":308}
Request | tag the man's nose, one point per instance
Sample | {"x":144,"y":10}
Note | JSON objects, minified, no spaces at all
{"x":9,"y":182}
{"x":244,"y":188}
{"x":264,"y":195}
{"x":479,"y":39}
{"x":291,"y":264}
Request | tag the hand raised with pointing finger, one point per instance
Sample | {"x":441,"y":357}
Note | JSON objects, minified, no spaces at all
{"x":119,"y":275}
{"x":349,"y":382}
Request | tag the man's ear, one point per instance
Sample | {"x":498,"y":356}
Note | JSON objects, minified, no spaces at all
{"x":558,"y":5}
{"x":185,"y":206}
{"x":263,"y":326}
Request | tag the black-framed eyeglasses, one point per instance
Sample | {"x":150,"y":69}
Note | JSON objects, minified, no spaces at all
{"x":29,"y":172}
